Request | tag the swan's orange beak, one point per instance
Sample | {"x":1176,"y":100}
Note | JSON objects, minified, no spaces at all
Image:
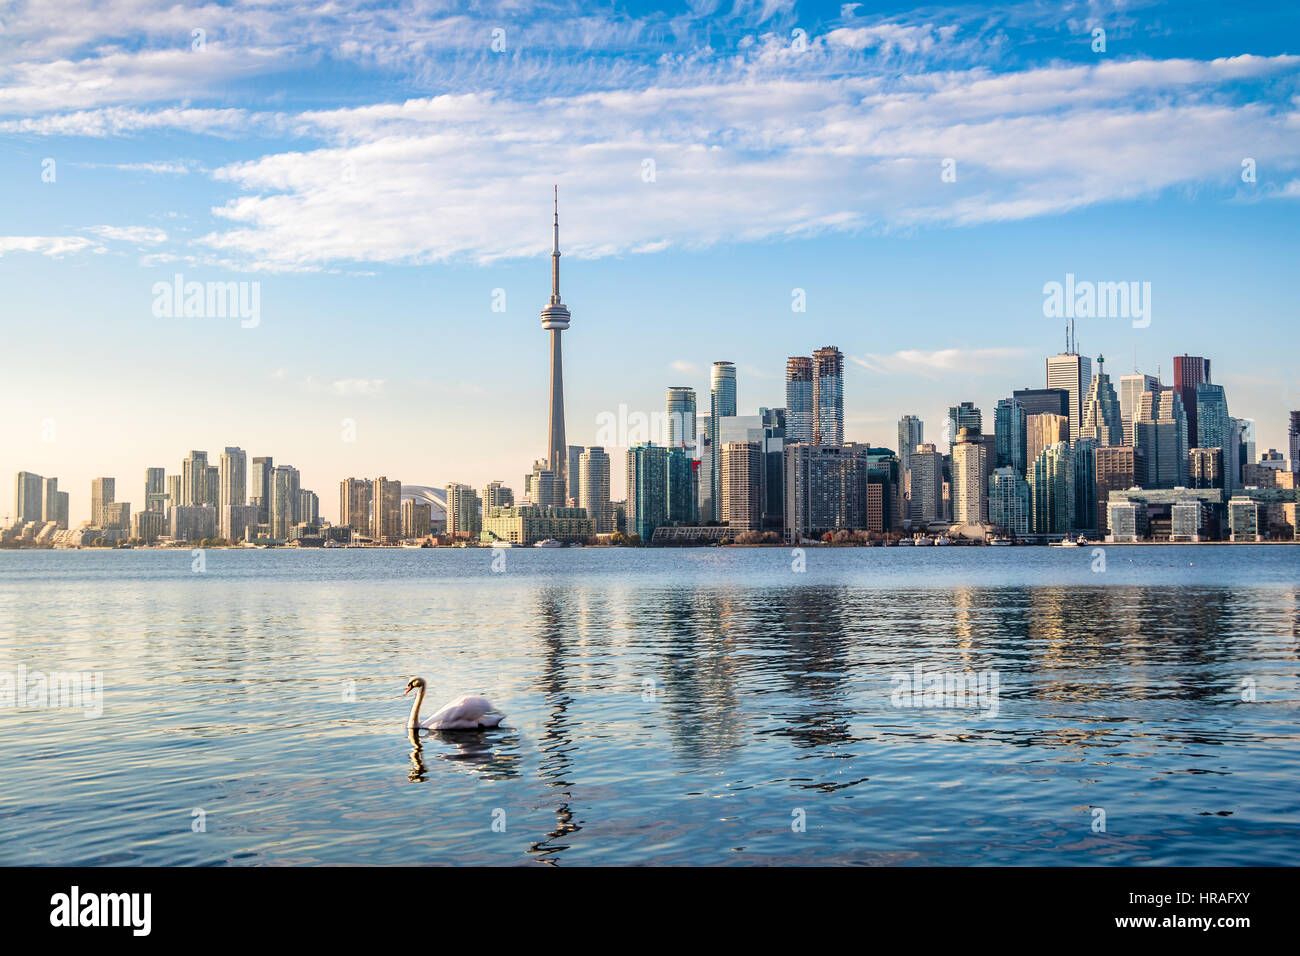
{"x":405,"y":692}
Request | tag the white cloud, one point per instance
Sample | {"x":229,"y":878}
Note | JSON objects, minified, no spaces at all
{"x":357,"y":386}
{"x":137,"y":234}
{"x":933,"y":364}
{"x":53,"y":246}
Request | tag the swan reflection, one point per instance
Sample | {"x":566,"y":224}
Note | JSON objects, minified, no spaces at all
{"x":492,"y":755}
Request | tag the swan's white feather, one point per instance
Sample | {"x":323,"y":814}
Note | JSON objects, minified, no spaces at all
{"x":469,"y":712}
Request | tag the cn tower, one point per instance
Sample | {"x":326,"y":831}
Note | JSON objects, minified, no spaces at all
{"x":555,"y":319}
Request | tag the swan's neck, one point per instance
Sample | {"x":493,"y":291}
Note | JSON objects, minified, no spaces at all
{"x":415,"y":708}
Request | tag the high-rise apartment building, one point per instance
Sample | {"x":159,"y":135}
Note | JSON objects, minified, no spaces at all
{"x":283,"y":506}
{"x":308,"y":511}
{"x":1213,"y":423}
{"x":1190,"y":371}
{"x":927,"y":484}
{"x":232,"y":478}
{"x":173,"y":494}
{"x":970,"y":473}
{"x":155,"y":490}
{"x":799,"y":399}
{"x":29,"y":497}
{"x":259,"y":487}
{"x":680,"y":408}
{"x":828,"y":396}
{"x":355,"y":495}
{"x":826,"y":489}
{"x":497,"y":495}
{"x":1118,"y":468}
{"x":742,"y":485}
{"x":1051,"y":486}
{"x":593,"y":484}
{"x":386,"y":509}
{"x":212,"y":486}
{"x":1009,"y":507}
{"x":965,"y":415}
{"x":647,"y":486}
{"x":1294,"y":443}
{"x":464,"y":511}
{"x":103,"y":492}
{"x":1084,"y":453}
{"x":235,"y":521}
{"x":416,"y":518}
{"x":194,"y":479}
{"x":1205,"y":465}
{"x":722,"y":404}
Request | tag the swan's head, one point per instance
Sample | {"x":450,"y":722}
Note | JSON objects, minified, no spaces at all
{"x":412,"y":684}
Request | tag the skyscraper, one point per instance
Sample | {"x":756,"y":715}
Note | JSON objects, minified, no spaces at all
{"x":1084,"y":453}
{"x":826,"y":489}
{"x":1041,"y":431}
{"x":647,"y":487}
{"x":1043,"y":401}
{"x":464,"y":518}
{"x":1131,"y":388}
{"x":911,"y":432}
{"x":1190,"y":371}
{"x":284,"y":501}
{"x":259,"y":487}
{"x":828,"y":396}
{"x":354,"y":504}
{"x":1072,"y":372}
{"x":29,"y":491}
{"x":1294,"y":442}
{"x":683,"y":487}
{"x":1051,"y":485}
{"x":1009,"y":435}
{"x":50,"y":499}
{"x":799,"y":399}
{"x":965,"y":415}
{"x":1118,"y":468}
{"x":386,"y":509}
{"x":102,"y":494}
{"x":1009,"y":507}
{"x":1103,"y":421}
{"x":1213,"y":423}
{"x":927,"y":484}
{"x":555,"y":319}
{"x":212,"y":486}
{"x":1161,"y":432}
{"x":194,"y":479}
{"x":497,"y":495}
{"x":722,"y":403}
{"x":233,"y":478}
{"x":593,"y":486}
{"x":742,"y":485}
{"x":970,"y":473}
{"x":680,"y":407}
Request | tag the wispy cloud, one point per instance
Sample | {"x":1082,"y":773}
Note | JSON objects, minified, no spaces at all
{"x":935,"y":363}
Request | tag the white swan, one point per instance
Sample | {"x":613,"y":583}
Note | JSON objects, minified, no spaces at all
{"x":464,"y":713}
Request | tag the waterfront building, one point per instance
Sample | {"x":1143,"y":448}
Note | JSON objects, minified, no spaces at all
{"x":1102,"y":418}
{"x":926,"y":481}
{"x":355,"y":504}
{"x":192,"y":522}
{"x":259,"y":487}
{"x":1118,"y":467}
{"x":284,"y":501}
{"x":386,"y":509}
{"x":155,"y":489}
{"x":50,"y":500}
{"x":1189,"y":372}
{"x":232,"y":480}
{"x":1131,"y":388}
{"x":1127,"y":521}
{"x":1213,"y":423}
{"x":683,"y":489}
{"x":593,"y":487}
{"x":775,"y":422}
{"x":1243,"y":519}
{"x":148,"y":526}
{"x":1161,"y":432}
{"x":1009,"y":435}
{"x":173,"y":493}
{"x":497,"y":495}
{"x":704,"y":474}
{"x":194,"y":479}
{"x":102,"y":494}
{"x":1294,"y":442}
{"x":911,"y":432}
{"x":117,"y":516}
{"x":543,"y":486}
{"x":1009,"y":501}
{"x":528,"y":524}
{"x":212,"y":486}
{"x":308,"y":512}
{"x":234,"y":522}
{"x":828,"y":396}
{"x":464,"y":511}
{"x":29,"y":497}
{"x":825,"y":489}
{"x":647,"y":489}
{"x":722,"y":404}
{"x":1185,"y":520}
{"x":799,"y":399}
{"x":680,"y":408}
{"x":1072,"y":372}
{"x":416,"y":518}
{"x":1041,"y":431}
{"x":965,"y":415}
{"x":1051,"y":484}
{"x":742,"y":485}
{"x":970,"y":470}
{"x":1085,"y":484}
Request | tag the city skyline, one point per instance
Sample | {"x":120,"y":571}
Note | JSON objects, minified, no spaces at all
{"x":397,"y":287}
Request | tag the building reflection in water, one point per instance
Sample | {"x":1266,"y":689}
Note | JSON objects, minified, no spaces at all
{"x":555,"y":745}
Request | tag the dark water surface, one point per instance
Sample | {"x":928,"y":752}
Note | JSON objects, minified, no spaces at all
{"x":670,"y":706}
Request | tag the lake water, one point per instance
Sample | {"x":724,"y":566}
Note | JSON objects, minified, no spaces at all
{"x":710,"y":706}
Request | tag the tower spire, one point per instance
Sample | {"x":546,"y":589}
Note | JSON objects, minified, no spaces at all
{"x":555,"y":252}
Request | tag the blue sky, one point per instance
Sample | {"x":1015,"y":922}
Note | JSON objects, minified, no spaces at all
{"x":381,"y":169}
